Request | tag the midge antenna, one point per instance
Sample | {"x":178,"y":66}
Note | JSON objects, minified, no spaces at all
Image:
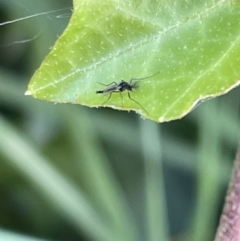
{"x":115,"y":87}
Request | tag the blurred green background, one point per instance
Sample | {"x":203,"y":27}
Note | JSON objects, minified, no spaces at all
{"x":74,"y":173}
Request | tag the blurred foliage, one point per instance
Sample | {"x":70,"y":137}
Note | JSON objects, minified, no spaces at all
{"x":73,"y":173}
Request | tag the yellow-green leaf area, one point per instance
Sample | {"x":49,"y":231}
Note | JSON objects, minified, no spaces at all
{"x":194,"y":45}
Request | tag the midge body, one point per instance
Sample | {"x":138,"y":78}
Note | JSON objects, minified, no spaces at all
{"x":115,"y":87}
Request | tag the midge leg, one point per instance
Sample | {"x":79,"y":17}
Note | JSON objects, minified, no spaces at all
{"x":110,"y":97}
{"x":129,"y":96}
{"x":107,"y":99}
{"x":108,"y":84}
{"x":121,"y":98}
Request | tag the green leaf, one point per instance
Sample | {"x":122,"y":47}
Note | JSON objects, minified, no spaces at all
{"x":194,"y":44}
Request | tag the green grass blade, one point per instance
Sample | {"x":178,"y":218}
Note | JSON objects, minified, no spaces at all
{"x":10,"y":236}
{"x":56,"y":188}
{"x":209,"y":173}
{"x":156,"y":225}
{"x":99,"y":175}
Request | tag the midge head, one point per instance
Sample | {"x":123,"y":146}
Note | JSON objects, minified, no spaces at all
{"x":115,"y":87}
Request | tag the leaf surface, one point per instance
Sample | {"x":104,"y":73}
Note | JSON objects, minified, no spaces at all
{"x":194,"y":45}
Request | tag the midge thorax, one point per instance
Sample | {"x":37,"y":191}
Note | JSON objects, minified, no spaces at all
{"x":115,"y":87}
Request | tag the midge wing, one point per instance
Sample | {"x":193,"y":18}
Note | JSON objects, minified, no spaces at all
{"x":135,"y":85}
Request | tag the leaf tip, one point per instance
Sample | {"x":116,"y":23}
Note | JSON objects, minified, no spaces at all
{"x":28,"y":92}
